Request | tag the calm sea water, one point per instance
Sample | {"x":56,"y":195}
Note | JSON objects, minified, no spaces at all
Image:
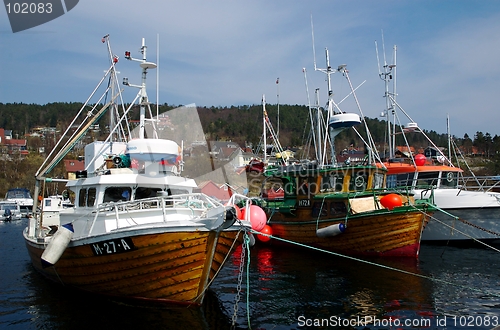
{"x":287,"y":288}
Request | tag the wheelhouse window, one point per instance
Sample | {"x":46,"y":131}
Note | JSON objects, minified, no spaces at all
{"x":378,"y":180}
{"x":91,"y":196}
{"x":359,"y":181}
{"x":142,"y":192}
{"x":332,"y":182}
{"x":82,"y":197}
{"x":319,"y":209}
{"x":400,"y":180}
{"x":426,"y":179}
{"x":117,"y":194}
{"x":87,"y":197}
{"x":306,"y":186}
{"x":449,"y":180}
{"x":338,"y":208}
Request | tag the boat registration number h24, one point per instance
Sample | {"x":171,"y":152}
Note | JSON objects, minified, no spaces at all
{"x":118,"y":245}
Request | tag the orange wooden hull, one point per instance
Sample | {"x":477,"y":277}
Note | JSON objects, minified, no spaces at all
{"x":379,"y":234}
{"x":171,"y":267}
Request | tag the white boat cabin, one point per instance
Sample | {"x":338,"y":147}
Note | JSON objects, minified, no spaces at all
{"x":120,"y":172}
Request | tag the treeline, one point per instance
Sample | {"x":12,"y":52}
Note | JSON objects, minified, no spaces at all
{"x":240,"y":124}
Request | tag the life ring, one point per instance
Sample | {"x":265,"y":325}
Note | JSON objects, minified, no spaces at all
{"x":449,"y":177}
{"x":359,"y":181}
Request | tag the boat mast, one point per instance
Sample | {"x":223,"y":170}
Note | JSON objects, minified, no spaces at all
{"x":387,"y":75}
{"x":142,"y":94}
{"x":264,"y":115}
{"x":319,"y":117}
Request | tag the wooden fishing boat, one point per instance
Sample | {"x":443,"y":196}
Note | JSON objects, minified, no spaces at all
{"x":138,"y":229}
{"x":341,"y":207}
{"x":346,"y":210}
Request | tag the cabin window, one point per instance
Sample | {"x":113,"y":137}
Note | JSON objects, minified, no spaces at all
{"x":337,"y":208}
{"x":82,"y":197}
{"x":91,"y":196}
{"x":378,"y":180}
{"x":332,"y":182}
{"x":177,"y":191}
{"x":359,"y":181}
{"x":319,"y":209}
{"x":449,"y":180}
{"x":117,"y":194}
{"x":405,"y":179}
{"x":306,"y":186}
{"x":426,"y":179}
{"x":142,"y":192}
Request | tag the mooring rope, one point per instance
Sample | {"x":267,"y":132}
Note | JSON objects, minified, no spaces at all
{"x":461,"y":232}
{"x":374,"y":264}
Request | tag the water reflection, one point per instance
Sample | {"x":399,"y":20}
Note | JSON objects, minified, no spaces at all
{"x":292,"y":283}
{"x":283,"y":286}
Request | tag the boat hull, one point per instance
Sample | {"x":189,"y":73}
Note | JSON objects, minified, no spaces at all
{"x":465,"y":225}
{"x":174,"y":267}
{"x":382,"y":234}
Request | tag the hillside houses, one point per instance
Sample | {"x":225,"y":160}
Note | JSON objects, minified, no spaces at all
{"x":9,"y":145}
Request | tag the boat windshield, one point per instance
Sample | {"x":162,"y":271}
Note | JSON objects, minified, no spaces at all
{"x":11,"y":207}
{"x":400,"y":180}
{"x":18,"y":193}
{"x":437,"y":179}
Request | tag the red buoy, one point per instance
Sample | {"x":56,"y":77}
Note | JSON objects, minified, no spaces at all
{"x":391,"y":201}
{"x":420,"y":159}
{"x":266,"y":230}
{"x":256,"y":216}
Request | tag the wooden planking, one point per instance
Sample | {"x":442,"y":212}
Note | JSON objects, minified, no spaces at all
{"x":169,"y":266}
{"x":378,"y":233}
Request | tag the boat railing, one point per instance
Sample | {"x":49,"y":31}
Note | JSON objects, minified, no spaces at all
{"x":480,"y":183}
{"x":196,"y":203}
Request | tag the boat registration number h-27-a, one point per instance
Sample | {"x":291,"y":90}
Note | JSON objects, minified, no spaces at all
{"x":118,"y":245}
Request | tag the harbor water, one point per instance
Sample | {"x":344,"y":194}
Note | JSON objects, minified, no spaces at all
{"x":279,"y":288}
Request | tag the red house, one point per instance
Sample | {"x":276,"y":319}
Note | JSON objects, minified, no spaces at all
{"x":220,"y":191}
{"x":12,"y":145}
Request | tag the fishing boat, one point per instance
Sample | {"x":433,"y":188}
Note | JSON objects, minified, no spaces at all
{"x":465,"y":214}
{"x":138,"y":229}
{"x":341,"y":207}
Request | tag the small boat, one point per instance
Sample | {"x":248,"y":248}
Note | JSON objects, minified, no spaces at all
{"x":465,"y":214}
{"x":22,"y":197}
{"x":137,"y":229}
{"x":9,"y":211}
{"x":344,"y":208}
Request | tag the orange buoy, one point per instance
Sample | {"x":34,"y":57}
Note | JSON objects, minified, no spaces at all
{"x":391,"y":201}
{"x":420,"y":159}
{"x":266,"y":230}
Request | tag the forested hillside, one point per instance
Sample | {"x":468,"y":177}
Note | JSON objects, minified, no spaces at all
{"x":241,"y":124}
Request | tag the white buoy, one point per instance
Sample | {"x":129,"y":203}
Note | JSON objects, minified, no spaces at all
{"x":57,"y":245}
{"x":331,"y":231}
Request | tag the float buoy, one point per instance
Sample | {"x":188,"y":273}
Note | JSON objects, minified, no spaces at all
{"x":420,"y":159}
{"x":331,"y":231}
{"x":266,"y":230}
{"x":256,"y":216}
{"x":391,"y":201}
{"x":57,"y":245}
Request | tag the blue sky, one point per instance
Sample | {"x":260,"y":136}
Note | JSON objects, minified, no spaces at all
{"x":222,"y":53}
